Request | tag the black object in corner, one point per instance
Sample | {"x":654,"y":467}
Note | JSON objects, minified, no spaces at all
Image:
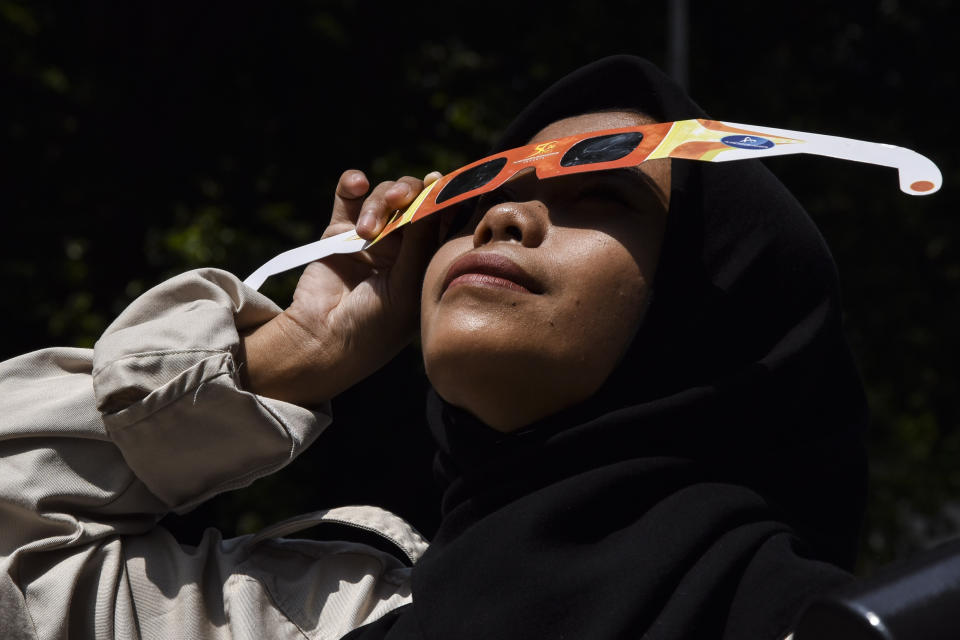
{"x":918,"y":598}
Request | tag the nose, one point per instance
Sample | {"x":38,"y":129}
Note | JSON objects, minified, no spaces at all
{"x":523,"y":222}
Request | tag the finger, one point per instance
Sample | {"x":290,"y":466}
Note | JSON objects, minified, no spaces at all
{"x":374,"y":211}
{"x":348,"y":197}
{"x":431,"y":177}
{"x":386,"y":198}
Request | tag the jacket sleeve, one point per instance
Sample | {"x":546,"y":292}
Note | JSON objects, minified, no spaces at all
{"x":96,"y":443}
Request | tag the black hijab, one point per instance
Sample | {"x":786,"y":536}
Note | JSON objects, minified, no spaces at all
{"x":713,"y":484}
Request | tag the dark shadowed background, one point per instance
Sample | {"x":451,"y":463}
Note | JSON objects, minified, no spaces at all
{"x":138,"y":140}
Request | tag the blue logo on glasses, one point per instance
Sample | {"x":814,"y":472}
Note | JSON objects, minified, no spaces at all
{"x":747,"y":142}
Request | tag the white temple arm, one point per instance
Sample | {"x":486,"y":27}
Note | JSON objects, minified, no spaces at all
{"x":918,"y":175}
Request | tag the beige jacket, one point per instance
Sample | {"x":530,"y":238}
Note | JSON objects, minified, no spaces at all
{"x":96,"y":445}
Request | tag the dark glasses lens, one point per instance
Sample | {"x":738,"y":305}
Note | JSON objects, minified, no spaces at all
{"x":601,"y":149}
{"x":472,"y":179}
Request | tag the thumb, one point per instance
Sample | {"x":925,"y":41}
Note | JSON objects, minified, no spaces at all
{"x":347,"y":200}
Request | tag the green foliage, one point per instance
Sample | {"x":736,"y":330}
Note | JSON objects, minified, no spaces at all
{"x":138,"y":142}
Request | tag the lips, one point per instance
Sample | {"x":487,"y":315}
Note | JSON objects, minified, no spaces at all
{"x":489,"y":269}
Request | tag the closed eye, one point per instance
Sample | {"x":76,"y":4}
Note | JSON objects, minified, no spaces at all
{"x":495,"y":197}
{"x":606,"y":193}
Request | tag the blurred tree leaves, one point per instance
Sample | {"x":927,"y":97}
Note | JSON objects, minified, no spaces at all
{"x":138,"y":140}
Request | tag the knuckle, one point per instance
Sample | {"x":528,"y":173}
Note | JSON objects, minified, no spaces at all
{"x":374,"y":201}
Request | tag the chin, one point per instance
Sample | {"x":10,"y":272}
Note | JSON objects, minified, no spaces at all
{"x":506,"y":386}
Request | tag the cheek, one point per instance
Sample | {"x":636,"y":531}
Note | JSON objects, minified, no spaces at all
{"x":607,"y":294}
{"x":582,"y":324}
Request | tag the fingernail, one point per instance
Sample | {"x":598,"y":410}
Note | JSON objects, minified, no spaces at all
{"x":431,"y":177}
{"x":367,"y":222}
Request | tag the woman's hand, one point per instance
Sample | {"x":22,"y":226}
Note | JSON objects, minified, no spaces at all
{"x":351,"y":313}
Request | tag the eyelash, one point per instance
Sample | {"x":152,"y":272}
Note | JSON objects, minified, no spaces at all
{"x":603,"y":192}
{"x":494,"y":198}
{"x":607,"y":193}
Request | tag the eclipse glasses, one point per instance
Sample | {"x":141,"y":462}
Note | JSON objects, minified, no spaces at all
{"x":704,"y":140}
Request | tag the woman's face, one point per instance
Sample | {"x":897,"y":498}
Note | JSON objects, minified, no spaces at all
{"x":529,"y":309}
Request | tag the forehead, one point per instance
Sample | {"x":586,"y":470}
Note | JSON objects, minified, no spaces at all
{"x":657,"y":171}
{"x":587,"y":122}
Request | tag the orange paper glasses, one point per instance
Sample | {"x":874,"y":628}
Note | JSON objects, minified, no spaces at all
{"x":596,"y":151}
{"x":703,"y":140}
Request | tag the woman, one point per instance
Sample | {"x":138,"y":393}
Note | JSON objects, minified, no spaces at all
{"x":648,"y":423}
